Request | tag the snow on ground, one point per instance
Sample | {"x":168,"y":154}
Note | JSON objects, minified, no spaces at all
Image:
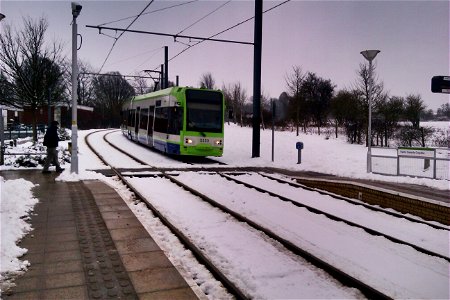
{"x":16,"y":203}
{"x":331,"y":156}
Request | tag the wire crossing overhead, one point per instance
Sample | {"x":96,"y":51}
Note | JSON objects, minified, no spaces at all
{"x":116,"y":39}
{"x":115,"y":75}
{"x":175,"y":36}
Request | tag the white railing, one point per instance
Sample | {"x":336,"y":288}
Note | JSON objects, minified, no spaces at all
{"x":398,"y":164}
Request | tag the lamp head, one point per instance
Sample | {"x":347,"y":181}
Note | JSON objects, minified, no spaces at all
{"x":370,"y":54}
{"x":76,"y":9}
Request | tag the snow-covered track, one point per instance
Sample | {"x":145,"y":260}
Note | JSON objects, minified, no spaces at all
{"x":299,"y":244}
{"x":338,"y":274}
{"x":336,"y":218}
{"x":182,"y":159}
{"x":228,"y":284}
{"x":356,"y":202}
{"x":344,"y":278}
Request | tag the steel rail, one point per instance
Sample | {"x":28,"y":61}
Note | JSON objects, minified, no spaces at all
{"x":202,"y":259}
{"x":336,"y":273}
{"x":336,"y":218}
{"x":368,"y":206}
{"x":155,"y":151}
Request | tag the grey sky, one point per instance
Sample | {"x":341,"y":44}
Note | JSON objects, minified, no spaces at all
{"x":324,"y":37}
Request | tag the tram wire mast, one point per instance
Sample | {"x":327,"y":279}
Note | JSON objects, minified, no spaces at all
{"x":257,"y":52}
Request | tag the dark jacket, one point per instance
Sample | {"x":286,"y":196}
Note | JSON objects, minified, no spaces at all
{"x":51,"y":138}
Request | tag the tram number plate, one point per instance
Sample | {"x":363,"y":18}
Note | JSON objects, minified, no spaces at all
{"x":204,"y":140}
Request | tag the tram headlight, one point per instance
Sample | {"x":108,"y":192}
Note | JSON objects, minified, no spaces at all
{"x":188,"y":141}
{"x":218,"y":142}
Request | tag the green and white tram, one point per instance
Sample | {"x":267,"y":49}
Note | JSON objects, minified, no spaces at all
{"x":177,"y":120}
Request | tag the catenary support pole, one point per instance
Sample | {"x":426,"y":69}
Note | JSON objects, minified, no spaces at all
{"x":273,"y":129}
{"x":257,"y":49}
{"x":2,"y":124}
{"x":74,"y":159}
{"x":166,"y":66}
{"x":162,"y":81}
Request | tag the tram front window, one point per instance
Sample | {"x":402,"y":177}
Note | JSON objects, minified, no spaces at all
{"x":204,"y":111}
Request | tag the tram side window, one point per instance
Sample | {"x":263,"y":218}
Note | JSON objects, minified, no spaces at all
{"x":150,"y":119}
{"x":175,"y":124}
{"x":143,"y":119}
{"x":161,"y":119}
{"x":130,"y":117}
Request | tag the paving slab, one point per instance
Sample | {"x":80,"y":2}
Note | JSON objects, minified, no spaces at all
{"x":87,"y":244}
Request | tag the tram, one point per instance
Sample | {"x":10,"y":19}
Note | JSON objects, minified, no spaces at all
{"x":177,"y":121}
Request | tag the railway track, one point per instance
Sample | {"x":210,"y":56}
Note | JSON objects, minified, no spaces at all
{"x":335,"y":272}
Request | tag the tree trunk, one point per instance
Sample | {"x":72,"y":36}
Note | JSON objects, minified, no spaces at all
{"x":34,"y":125}
{"x":336,"y":129}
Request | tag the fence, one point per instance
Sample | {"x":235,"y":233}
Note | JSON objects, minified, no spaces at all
{"x":18,"y":132}
{"x":418,"y":162}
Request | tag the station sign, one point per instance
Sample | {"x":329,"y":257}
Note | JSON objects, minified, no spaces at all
{"x":440,"y":84}
{"x":417,"y":152}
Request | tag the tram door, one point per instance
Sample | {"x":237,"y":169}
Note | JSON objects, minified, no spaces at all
{"x":136,"y":124}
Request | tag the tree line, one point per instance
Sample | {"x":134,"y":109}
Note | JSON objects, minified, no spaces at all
{"x":313,"y":101}
{"x":35,"y":74}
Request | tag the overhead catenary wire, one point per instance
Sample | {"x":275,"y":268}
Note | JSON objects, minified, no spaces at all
{"x":114,"y":44}
{"x":227,"y":29}
{"x":204,"y":17}
{"x":150,"y":12}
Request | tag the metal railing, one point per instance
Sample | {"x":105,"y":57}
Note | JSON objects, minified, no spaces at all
{"x":19,"y":132}
{"x":436,"y":167}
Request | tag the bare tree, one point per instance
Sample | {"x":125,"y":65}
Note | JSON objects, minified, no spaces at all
{"x":414,"y":107}
{"x":236,"y":96}
{"x":33,"y":70}
{"x":207,"y":81}
{"x":294,"y":82}
{"x":110,"y":94}
{"x":140,"y":85}
{"x":317,"y":93}
{"x":368,"y":82}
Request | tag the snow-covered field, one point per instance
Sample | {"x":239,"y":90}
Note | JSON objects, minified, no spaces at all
{"x":331,"y":156}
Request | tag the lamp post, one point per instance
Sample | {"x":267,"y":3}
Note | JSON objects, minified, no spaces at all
{"x":2,"y":125}
{"x":76,"y":9}
{"x":369,"y":55}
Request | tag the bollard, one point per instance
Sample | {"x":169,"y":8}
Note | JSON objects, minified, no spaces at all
{"x":299,"y":147}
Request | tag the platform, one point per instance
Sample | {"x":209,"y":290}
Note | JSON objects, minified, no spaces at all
{"x":87,"y":244}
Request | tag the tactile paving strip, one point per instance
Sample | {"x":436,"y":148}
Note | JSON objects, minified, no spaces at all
{"x":105,"y":274}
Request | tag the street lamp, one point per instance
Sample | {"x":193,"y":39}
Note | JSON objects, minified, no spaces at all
{"x":76,"y":9}
{"x":2,"y":125}
{"x":370,"y":55}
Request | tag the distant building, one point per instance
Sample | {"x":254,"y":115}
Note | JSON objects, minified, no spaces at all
{"x":86,"y":117}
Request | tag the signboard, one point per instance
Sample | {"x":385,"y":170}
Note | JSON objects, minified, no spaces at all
{"x":440,"y":84}
{"x":417,"y":152}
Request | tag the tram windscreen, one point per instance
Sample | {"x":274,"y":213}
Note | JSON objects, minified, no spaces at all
{"x":204,"y":111}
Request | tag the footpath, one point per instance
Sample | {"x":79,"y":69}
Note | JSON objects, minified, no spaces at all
{"x":87,"y":244}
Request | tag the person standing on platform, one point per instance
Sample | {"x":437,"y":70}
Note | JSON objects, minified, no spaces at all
{"x":51,"y":140}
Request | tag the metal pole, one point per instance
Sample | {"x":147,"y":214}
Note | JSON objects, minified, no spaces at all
{"x":166,"y":66}
{"x":177,"y":80}
{"x":74,"y":159}
{"x":2,"y":124}
{"x":162,"y":81}
{"x":273,"y":130}
{"x":49,"y":110}
{"x":2,"y":137}
{"x":257,"y":49}
{"x":369,"y":142}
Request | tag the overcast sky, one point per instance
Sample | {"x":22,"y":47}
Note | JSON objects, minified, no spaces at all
{"x":325,"y":37}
